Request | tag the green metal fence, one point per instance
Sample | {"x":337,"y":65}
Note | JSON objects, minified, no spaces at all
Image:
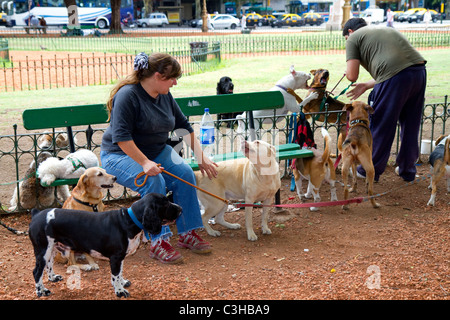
{"x":18,"y":151}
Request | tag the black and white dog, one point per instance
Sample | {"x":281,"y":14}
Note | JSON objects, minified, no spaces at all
{"x":113,"y":234}
{"x":225,"y":86}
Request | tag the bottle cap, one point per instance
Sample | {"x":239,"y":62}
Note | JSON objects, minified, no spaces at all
{"x":206,"y":109}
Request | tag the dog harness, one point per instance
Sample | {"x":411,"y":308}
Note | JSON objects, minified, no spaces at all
{"x":76,"y":165}
{"x":93,"y":206}
{"x":137,"y":223}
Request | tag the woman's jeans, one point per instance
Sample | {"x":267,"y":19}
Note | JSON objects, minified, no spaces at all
{"x":126,"y":170}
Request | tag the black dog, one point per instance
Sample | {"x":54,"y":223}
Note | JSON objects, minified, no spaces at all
{"x":109,"y":233}
{"x":226,"y":86}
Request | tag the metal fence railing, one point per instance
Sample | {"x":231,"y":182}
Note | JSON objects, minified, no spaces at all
{"x":74,"y":69}
{"x":18,"y":151}
{"x":233,"y":42}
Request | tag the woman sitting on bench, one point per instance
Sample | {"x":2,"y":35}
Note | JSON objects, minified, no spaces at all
{"x":142,"y":113}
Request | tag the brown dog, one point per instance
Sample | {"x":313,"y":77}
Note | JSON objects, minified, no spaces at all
{"x":440,"y":166}
{"x":357,"y":147}
{"x":319,"y":85}
{"x":316,"y":169}
{"x":88,"y":196}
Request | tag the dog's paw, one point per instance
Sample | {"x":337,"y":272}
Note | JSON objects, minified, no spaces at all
{"x":88,"y":267}
{"x":313,"y":95}
{"x":47,"y":180}
{"x":430,"y":202}
{"x":313,"y":209}
{"x":234,"y":226}
{"x":214,"y":233}
{"x":42,"y":292}
{"x":55,"y":278}
{"x":251,"y":236}
{"x":266,"y":230}
{"x":122,"y":293}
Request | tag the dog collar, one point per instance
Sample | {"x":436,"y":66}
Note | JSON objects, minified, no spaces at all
{"x":136,"y":222}
{"x":93,"y":206}
{"x":358,"y":121}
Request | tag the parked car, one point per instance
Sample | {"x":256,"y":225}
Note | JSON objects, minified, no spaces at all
{"x":194,"y":23}
{"x":418,"y":16}
{"x":225,"y":21}
{"x":404,"y":16}
{"x":312,"y":18}
{"x":267,"y":19}
{"x":3,"y":18}
{"x":397,"y":14}
{"x":254,"y":19}
{"x":153,"y":20}
{"x":290,"y":20}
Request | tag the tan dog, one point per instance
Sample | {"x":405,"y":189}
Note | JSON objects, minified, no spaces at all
{"x":46,"y":141}
{"x":252,"y":179}
{"x":316,"y":169}
{"x":357,"y":147}
{"x":440,"y":166}
{"x":88,"y":196}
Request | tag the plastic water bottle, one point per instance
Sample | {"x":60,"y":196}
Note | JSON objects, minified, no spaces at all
{"x":207,"y":134}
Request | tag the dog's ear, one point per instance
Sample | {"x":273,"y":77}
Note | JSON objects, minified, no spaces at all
{"x":150,"y":219}
{"x":313,"y":72}
{"x":369,"y":109}
{"x":244,"y":147}
{"x":292,"y":70}
{"x":348,"y":107}
{"x":82,"y":182}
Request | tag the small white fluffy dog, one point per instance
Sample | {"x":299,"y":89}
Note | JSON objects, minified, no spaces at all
{"x":291,"y":82}
{"x":253,"y":178}
{"x":72,"y":166}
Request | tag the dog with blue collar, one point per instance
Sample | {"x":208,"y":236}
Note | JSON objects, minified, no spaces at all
{"x":113,"y":234}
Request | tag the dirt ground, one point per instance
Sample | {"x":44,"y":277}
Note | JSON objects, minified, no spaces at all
{"x":399,"y":251}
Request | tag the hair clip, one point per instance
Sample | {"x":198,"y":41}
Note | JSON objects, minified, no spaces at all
{"x":141,"y":61}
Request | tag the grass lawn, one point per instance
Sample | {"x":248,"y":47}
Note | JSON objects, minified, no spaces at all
{"x":248,"y":74}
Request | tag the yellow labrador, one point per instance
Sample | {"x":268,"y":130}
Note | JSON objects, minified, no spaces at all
{"x":252,"y":179}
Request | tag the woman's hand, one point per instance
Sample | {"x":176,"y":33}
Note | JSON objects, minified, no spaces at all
{"x":208,"y":166}
{"x":151,"y":168}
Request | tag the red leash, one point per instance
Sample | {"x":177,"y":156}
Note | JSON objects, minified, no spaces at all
{"x":305,"y":205}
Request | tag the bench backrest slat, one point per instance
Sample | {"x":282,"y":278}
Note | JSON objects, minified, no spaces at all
{"x":238,"y":102}
{"x":44,"y":118}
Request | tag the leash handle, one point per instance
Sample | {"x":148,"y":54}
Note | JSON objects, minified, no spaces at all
{"x":174,"y":176}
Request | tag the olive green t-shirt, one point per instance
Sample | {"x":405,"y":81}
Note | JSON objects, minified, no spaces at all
{"x":382,"y":51}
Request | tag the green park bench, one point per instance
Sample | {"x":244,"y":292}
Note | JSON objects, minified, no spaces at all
{"x":70,"y":116}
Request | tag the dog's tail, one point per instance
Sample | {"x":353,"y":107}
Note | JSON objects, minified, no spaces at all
{"x":327,"y":150}
{"x":447,"y":151}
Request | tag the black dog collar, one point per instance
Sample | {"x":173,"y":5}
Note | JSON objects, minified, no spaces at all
{"x":93,"y":206}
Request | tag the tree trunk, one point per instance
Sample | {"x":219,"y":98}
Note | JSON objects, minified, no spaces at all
{"x":115,"y":26}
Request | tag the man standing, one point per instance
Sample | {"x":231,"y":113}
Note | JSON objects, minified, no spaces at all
{"x":390,"y":18}
{"x":398,"y":95}
{"x":427,"y":18}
